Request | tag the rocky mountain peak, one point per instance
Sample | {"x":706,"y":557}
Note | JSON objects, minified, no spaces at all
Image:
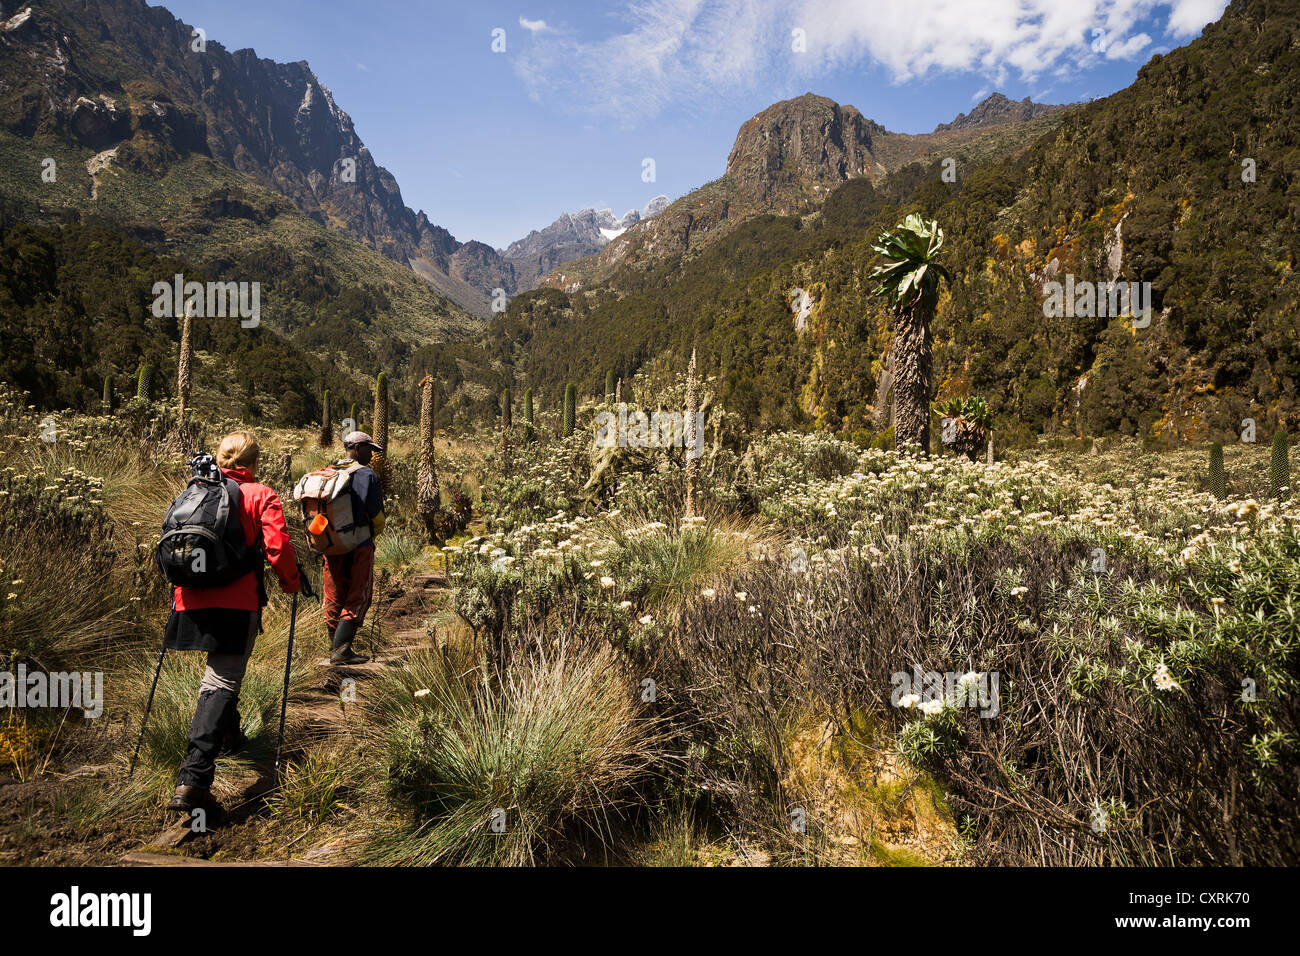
{"x":571,"y":236}
{"x":800,"y":149}
{"x":996,"y":110}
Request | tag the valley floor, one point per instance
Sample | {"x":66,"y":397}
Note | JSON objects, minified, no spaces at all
{"x":846,"y":656}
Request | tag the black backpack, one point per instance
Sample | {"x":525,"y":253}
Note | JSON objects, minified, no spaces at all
{"x":202,"y":544}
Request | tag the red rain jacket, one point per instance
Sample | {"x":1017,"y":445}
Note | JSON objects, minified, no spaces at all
{"x":262,"y":514}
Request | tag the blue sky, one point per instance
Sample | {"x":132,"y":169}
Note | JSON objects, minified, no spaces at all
{"x":494,"y":144}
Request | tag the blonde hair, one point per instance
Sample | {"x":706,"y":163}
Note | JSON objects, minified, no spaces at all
{"x":239,"y":450}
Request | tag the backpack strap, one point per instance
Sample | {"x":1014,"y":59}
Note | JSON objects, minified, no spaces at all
{"x":232,"y":499}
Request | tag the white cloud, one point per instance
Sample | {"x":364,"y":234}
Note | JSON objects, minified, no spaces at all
{"x":1129,"y":48}
{"x":1190,"y":17}
{"x":683,"y":52}
{"x":533,"y":26}
{"x":666,"y":51}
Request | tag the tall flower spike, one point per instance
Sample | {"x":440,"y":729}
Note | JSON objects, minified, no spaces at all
{"x":426,"y":481}
{"x":692,"y":436}
{"x":184,"y":364}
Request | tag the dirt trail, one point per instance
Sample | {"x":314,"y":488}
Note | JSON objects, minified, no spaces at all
{"x":321,"y":711}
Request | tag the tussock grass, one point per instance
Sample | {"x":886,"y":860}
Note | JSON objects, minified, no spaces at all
{"x":665,"y":565}
{"x":60,"y":604}
{"x":315,"y":788}
{"x":398,"y":548}
{"x":556,"y":743}
{"x":136,"y":493}
{"x":681,"y":837}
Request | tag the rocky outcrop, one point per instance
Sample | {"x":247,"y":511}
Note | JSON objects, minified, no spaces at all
{"x":998,"y":110}
{"x":786,"y":160}
{"x":571,"y":236}
{"x":118,"y":72}
{"x":794,"y":152}
{"x":655,"y":206}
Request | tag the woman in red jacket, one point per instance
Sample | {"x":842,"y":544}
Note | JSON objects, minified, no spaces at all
{"x":224,"y":621}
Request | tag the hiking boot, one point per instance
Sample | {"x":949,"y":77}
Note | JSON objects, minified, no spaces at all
{"x":188,"y":798}
{"x":341,"y":646}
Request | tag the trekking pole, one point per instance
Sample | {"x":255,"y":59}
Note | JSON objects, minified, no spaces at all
{"x":374,"y":624}
{"x":284,"y":697}
{"x":147,"y":708}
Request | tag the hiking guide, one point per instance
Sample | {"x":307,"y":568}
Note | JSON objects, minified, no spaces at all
{"x":343,"y":507}
{"x":216,"y":535}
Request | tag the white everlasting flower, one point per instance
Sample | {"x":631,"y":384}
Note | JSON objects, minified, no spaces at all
{"x":932,"y":707}
{"x":1164,"y":680}
{"x":646,"y":619}
{"x":908,"y":701}
{"x":625,"y":605}
{"x":742,"y":596}
{"x":607,"y":582}
{"x":708,"y":594}
{"x":423,"y":692}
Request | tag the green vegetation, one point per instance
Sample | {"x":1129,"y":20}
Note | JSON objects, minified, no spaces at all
{"x":494,"y":769}
{"x":331,"y":307}
{"x":144,"y":386}
{"x":528,"y":416}
{"x":909,"y":280}
{"x":1279,"y":472}
{"x":380,"y":460}
{"x":1164,"y":156}
{"x":614,"y":652}
{"x":1218,"y":480}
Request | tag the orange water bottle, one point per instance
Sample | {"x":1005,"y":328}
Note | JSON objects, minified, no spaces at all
{"x":318,"y":524}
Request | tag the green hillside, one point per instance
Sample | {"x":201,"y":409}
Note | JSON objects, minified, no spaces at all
{"x":1164,"y":157}
{"x":336,"y":309}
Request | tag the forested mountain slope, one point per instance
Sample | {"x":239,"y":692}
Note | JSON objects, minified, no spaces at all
{"x":1188,"y":179}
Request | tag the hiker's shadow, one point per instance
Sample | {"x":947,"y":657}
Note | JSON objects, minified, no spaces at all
{"x":254,"y":800}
